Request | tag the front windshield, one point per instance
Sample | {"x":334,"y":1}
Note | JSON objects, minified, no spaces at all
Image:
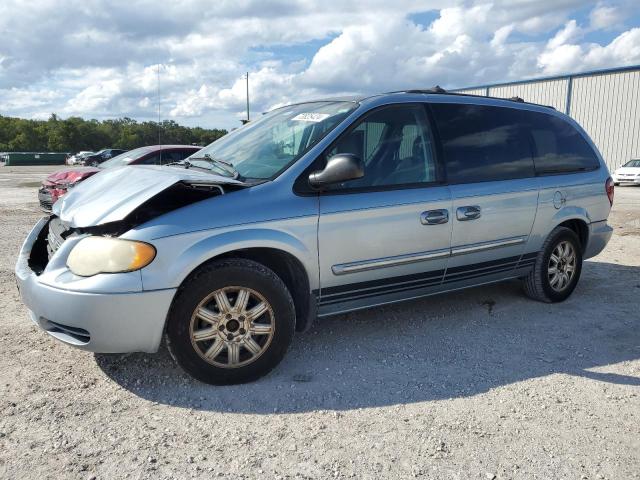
{"x":125,"y":158}
{"x":632,"y":163}
{"x":265,"y":147}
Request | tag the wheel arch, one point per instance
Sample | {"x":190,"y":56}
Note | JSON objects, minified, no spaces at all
{"x":578,"y":222}
{"x":285,"y":255}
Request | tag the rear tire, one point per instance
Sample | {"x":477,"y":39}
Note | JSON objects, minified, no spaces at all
{"x":231,"y":322}
{"x":557,"y":268}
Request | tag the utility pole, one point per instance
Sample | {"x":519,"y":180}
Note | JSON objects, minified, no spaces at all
{"x":248,"y":118}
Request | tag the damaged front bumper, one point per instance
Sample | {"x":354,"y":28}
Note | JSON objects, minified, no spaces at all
{"x":107,"y":313}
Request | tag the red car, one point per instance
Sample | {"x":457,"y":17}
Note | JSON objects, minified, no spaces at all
{"x":57,"y":184}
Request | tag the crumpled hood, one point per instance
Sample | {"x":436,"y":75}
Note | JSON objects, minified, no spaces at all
{"x":116,"y":192}
{"x":71,"y":175}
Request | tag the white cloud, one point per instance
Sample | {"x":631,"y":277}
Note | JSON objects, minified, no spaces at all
{"x":97,"y":96}
{"x":569,"y":33}
{"x":605,"y":17}
{"x":100,"y":59}
{"x":623,"y":50}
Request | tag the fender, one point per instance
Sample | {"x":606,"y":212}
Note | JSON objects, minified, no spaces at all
{"x":163,"y":274}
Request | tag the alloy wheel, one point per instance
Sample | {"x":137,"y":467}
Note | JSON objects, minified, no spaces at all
{"x":562,"y":266}
{"x":232,"y":327}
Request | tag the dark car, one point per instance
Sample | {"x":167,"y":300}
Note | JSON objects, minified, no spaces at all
{"x":102,"y":156}
{"x":57,"y":184}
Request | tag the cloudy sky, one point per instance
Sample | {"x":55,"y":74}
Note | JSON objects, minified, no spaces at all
{"x":100,"y":59}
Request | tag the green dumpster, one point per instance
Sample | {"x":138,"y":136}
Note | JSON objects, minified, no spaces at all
{"x":34,"y":158}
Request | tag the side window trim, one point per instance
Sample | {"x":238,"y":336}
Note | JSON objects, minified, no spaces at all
{"x":439,"y":170}
{"x":441,"y":165}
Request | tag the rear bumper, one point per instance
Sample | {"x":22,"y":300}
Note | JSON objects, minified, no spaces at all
{"x":98,"y":322}
{"x":599,"y":235}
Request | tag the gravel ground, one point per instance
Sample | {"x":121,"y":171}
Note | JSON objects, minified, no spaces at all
{"x":476,"y":384}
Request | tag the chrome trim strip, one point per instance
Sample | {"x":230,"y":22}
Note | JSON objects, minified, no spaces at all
{"x":480,"y":247}
{"x":365,"y":265}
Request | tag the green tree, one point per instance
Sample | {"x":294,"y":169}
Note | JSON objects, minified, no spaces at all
{"x":75,"y":134}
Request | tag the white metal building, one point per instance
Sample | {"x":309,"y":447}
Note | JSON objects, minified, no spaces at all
{"x":605,"y":102}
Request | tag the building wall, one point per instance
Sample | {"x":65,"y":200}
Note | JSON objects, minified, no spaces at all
{"x":608,"y":108}
{"x":552,"y":92}
{"x":474,"y":91}
{"x":606,"y":104}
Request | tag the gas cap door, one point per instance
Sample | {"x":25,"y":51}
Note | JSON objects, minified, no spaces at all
{"x":559,"y":199}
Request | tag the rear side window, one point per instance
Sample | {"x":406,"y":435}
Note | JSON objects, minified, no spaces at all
{"x":557,"y":146}
{"x":483,"y":143}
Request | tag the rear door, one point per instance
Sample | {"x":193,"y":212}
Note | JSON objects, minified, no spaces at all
{"x":384,"y":237}
{"x":490,"y":171}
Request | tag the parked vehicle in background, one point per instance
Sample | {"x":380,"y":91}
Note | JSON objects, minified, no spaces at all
{"x":316,"y":209}
{"x":101,"y":156}
{"x":79,"y":157}
{"x":58,"y":183}
{"x":628,"y":174}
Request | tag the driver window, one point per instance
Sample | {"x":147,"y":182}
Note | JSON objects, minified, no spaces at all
{"x":396,"y":146}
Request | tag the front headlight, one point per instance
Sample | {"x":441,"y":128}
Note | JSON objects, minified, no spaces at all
{"x":93,"y":255}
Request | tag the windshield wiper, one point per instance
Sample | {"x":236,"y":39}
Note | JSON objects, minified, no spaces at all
{"x":226,"y":167}
{"x":220,"y":164}
{"x":183,"y":163}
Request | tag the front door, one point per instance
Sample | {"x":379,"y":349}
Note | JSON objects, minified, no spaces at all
{"x":384,"y":237}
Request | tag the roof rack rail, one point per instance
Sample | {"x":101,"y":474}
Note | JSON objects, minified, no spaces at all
{"x":438,"y":89}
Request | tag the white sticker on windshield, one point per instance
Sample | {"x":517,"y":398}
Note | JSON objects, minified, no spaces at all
{"x":310,"y":117}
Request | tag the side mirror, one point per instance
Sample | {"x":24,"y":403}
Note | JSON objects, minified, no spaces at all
{"x":340,"y":168}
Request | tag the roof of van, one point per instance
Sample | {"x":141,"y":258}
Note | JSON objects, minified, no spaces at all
{"x":437,"y":90}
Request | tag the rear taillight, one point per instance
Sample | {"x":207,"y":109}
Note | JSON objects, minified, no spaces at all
{"x":609,"y":188}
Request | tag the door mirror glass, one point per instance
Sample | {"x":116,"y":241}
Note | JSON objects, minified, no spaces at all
{"x":340,"y":168}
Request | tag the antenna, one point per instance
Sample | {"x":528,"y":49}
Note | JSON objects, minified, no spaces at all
{"x":248,"y":118}
{"x":159,"y":128}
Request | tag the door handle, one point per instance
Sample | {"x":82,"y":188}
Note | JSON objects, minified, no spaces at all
{"x":468,"y":212}
{"x":434,"y":217}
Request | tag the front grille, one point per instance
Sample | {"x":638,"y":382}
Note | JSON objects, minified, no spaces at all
{"x":45,"y":205}
{"x":55,"y":237}
{"x":44,"y":197}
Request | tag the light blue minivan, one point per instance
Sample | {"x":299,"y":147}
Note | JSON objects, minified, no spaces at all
{"x":316,"y":209}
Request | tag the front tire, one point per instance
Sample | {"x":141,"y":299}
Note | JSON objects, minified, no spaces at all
{"x":557,"y":268}
{"x":231,"y":322}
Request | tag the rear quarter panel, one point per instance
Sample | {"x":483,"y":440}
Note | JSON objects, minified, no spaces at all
{"x":585,"y":199}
